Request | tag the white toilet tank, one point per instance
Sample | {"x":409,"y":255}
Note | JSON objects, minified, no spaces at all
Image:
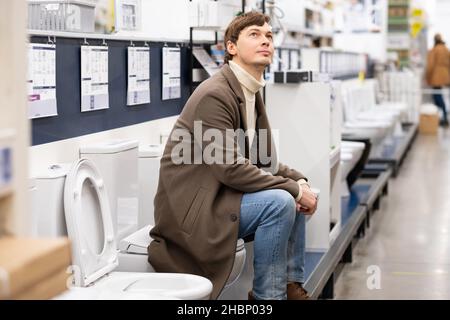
{"x":149,"y":162}
{"x":117,"y":162}
{"x":47,"y":202}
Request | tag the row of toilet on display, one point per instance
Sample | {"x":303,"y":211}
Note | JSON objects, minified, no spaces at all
{"x":364,"y":117}
{"x":104,"y":203}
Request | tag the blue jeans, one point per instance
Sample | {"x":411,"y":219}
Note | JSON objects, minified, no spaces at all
{"x":439,"y":101}
{"x":279,"y":245}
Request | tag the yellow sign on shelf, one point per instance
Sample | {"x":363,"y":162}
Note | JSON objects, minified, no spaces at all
{"x":417,"y":22}
{"x":417,"y":13}
{"x":416,"y":27}
{"x":361,"y":76}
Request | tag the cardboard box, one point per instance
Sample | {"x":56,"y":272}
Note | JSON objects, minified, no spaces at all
{"x":25,"y":262}
{"x":429,"y":123}
{"x":47,"y":288}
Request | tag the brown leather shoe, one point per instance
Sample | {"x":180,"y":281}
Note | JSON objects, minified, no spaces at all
{"x":295,"y":291}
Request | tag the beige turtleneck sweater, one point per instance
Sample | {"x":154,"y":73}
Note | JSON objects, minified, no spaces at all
{"x":251,"y":86}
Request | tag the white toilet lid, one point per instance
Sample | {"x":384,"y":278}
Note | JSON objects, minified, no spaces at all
{"x":89,"y":223}
{"x":113,"y":146}
{"x":138,"y":242}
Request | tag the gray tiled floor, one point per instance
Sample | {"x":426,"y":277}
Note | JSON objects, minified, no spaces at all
{"x":409,"y":239}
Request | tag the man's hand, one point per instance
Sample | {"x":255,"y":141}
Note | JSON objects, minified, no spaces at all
{"x":308,"y":202}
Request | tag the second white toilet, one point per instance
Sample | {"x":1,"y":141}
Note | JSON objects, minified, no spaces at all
{"x":133,"y":249}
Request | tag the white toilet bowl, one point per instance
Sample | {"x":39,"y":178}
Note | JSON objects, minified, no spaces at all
{"x":376,"y":132}
{"x":361,"y":120}
{"x":379,"y":132}
{"x":391,"y":117}
{"x":94,"y":249}
{"x":177,"y":285}
{"x":369,"y":110}
{"x":385,"y":106}
{"x":401,"y":107}
{"x":355,"y":148}
{"x":133,"y":255}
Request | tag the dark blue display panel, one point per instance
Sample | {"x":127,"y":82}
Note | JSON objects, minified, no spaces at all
{"x":70,"y":122}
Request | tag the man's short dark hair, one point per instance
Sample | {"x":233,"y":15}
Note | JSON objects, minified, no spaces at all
{"x":240,"y":23}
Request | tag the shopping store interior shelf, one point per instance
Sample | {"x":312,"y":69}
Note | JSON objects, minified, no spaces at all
{"x":365,"y":196}
{"x":395,"y":153}
{"x":320,"y":280}
{"x":370,"y":190}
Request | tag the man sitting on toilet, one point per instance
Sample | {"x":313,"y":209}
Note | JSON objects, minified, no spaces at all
{"x":220,"y":179}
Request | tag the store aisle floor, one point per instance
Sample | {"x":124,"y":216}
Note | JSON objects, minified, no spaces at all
{"x":408,"y":243}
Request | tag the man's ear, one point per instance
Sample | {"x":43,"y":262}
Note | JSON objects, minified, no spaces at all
{"x":231,"y":48}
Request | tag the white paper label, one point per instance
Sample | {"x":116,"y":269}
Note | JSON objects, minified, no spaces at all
{"x":41,"y":80}
{"x":138,"y":75}
{"x":94,"y":78}
{"x":171,"y":73}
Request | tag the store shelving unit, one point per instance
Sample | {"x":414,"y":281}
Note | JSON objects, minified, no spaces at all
{"x":307,"y":22}
{"x":216,"y":30}
{"x":340,"y":65}
{"x":398,"y":29}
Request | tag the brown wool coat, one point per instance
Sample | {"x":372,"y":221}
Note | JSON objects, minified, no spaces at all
{"x":197,"y":206}
{"x":438,"y":66}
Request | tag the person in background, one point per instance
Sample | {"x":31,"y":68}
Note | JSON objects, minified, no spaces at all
{"x":438,"y":73}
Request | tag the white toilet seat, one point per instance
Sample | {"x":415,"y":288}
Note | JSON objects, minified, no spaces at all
{"x":133,"y":254}
{"x":138,"y":242}
{"x":93,"y":293}
{"x":85,"y":200}
{"x":178,"y":285}
{"x":112,"y":295}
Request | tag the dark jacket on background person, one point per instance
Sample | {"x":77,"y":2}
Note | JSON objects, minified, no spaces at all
{"x":197,"y":206}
